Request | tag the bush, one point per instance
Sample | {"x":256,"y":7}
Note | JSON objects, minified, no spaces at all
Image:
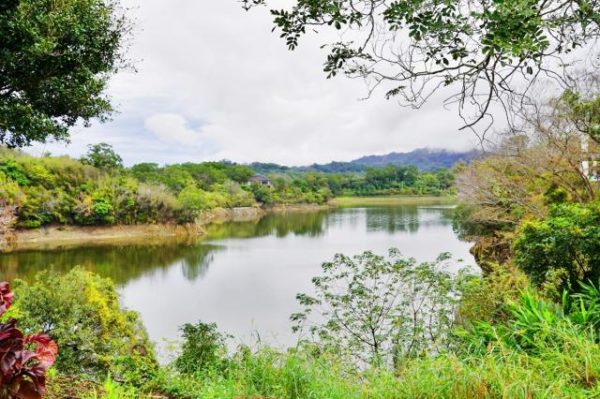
{"x":381,"y":310}
{"x":563,"y":249}
{"x":82,"y":312}
{"x":203,"y":349}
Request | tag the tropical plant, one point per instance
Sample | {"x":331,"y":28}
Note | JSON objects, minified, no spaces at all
{"x":24,"y":360}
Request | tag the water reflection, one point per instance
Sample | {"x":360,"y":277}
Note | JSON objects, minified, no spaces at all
{"x":311,"y":224}
{"x":407,"y":219}
{"x":245,"y":276}
{"x":120,"y":263}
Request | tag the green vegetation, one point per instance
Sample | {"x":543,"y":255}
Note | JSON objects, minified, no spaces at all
{"x":562,"y":249}
{"x":373,"y":327}
{"x":98,"y":190}
{"x":96,"y":337}
{"x":520,"y":347}
{"x":384,"y":200}
{"x":56,"y":59}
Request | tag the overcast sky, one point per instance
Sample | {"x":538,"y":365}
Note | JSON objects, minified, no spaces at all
{"x":214,"y":83}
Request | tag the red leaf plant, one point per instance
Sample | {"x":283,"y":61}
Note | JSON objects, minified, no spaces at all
{"x":24,"y":360}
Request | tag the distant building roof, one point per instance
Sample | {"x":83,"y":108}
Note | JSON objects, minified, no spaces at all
{"x":259,"y":179}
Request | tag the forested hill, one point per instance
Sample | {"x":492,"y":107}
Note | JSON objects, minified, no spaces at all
{"x":425,"y":159}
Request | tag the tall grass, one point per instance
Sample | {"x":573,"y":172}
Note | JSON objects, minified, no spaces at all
{"x":542,"y":351}
{"x":112,"y":390}
{"x":569,"y":371}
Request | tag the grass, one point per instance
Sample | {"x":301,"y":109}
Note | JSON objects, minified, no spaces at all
{"x":560,"y":372}
{"x":393,"y":200}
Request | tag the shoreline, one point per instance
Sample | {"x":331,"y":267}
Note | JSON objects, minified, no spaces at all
{"x":57,"y":237}
{"x":67,"y":236}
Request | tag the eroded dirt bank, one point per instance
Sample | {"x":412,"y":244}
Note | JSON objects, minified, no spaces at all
{"x":53,"y":237}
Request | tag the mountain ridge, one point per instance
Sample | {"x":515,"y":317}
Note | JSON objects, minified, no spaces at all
{"x":424,"y":159}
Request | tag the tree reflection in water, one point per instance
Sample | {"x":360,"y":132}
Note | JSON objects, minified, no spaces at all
{"x":406,"y":219}
{"x":120,"y":263}
{"x":311,"y":224}
{"x":124,"y":263}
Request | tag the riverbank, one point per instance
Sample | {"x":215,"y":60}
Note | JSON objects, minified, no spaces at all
{"x":53,"y":237}
{"x":61,"y":236}
{"x":393,"y":200}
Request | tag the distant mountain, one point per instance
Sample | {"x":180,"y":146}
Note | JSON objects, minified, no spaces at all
{"x":423,"y":158}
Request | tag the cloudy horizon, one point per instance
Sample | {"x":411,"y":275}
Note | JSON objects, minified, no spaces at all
{"x":218,"y":84}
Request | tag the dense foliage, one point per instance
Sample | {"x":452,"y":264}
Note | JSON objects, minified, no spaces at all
{"x":98,"y":191}
{"x":84,"y":316}
{"x":55,"y":61}
{"x":24,"y":360}
{"x":563,"y":248}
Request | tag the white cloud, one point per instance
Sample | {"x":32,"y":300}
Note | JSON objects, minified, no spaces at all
{"x":210,"y":64}
{"x":173,"y":128}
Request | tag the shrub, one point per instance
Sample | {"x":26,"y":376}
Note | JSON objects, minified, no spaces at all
{"x":155,"y":204}
{"x":203,"y":349}
{"x":562,"y":249}
{"x":84,"y":315}
{"x":194,"y":200}
{"x":379,"y":309}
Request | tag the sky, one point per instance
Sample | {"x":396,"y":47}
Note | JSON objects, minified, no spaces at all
{"x":213,"y":82}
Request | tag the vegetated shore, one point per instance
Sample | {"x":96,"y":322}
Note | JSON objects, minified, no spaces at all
{"x":64,"y":236}
{"x":389,"y":200}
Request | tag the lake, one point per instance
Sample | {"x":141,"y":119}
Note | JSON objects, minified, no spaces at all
{"x":244,"y":276}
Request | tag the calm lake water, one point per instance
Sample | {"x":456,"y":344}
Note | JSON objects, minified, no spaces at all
{"x":245,"y":276}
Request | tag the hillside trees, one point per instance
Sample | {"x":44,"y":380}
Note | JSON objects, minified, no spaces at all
{"x":102,"y":156}
{"x":55,"y":61}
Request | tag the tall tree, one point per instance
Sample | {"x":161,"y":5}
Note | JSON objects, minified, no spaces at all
{"x":55,"y":61}
{"x":103,"y":156}
{"x":487,"y":50}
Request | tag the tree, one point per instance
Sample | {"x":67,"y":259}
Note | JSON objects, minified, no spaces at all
{"x":102,"y":156}
{"x":489,"y":50}
{"x":562,"y":249}
{"x":380,"y":309}
{"x":55,"y":61}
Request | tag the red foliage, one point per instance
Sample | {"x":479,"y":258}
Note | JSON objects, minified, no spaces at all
{"x":5,"y":297}
{"x":24,"y":360}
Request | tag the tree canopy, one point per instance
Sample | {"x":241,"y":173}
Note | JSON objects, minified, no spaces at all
{"x":487,"y":50}
{"x":55,"y":60}
{"x":102,"y":156}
